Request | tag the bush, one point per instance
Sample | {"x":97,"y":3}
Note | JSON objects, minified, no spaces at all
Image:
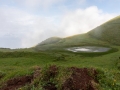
{"x":2,"y":74}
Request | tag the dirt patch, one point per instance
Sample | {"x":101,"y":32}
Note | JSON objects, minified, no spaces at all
{"x":16,"y":83}
{"x":81,"y":79}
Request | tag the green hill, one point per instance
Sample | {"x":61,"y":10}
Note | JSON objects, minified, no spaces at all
{"x":104,"y":35}
{"x":109,"y":31}
{"x":50,"y":41}
{"x":77,"y":40}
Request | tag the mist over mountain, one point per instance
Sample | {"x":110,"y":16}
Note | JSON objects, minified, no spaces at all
{"x":106,"y":34}
{"x":109,"y":31}
{"x":50,"y":40}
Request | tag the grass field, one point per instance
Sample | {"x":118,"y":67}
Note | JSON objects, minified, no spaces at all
{"x":14,"y":64}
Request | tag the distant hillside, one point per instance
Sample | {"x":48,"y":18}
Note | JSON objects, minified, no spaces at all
{"x":50,"y":40}
{"x":104,"y":35}
{"x":77,"y":40}
{"x":109,"y":31}
{"x":47,"y":42}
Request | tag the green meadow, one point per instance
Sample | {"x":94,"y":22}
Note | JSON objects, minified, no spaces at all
{"x":15,"y":64}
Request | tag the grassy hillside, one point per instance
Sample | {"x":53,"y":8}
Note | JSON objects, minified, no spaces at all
{"x":109,"y":31}
{"x":77,"y":40}
{"x":105,"y":35}
{"x":50,"y":40}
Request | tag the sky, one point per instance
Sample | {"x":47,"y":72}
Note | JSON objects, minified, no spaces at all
{"x":25,"y":23}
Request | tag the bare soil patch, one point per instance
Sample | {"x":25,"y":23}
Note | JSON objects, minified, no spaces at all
{"x":16,"y":83}
{"x":81,"y":79}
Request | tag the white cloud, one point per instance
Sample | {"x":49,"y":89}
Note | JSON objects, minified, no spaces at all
{"x":29,"y":29}
{"x":83,"y":20}
{"x":41,"y":29}
{"x":25,"y":30}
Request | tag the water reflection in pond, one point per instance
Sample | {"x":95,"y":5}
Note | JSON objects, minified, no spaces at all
{"x":88,"y":49}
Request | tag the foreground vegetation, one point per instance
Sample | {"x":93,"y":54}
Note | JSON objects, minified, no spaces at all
{"x":20,"y":63}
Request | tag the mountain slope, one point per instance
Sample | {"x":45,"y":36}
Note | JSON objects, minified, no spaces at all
{"x":103,"y":35}
{"x":47,"y":42}
{"x":77,"y":40}
{"x":109,"y":31}
{"x":50,"y":40}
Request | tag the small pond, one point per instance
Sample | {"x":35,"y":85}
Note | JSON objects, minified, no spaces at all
{"x":88,"y":49}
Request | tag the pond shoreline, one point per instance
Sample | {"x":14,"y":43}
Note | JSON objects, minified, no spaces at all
{"x":89,"y":49}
